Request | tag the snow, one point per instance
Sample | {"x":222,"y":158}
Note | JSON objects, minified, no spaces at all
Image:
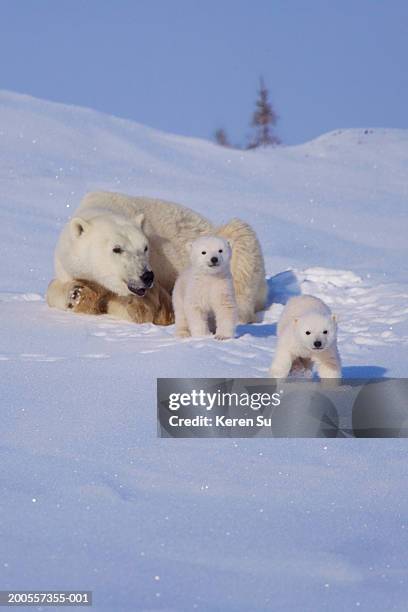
{"x":159,"y":524}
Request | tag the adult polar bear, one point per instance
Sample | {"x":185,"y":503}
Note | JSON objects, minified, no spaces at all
{"x":115,"y":240}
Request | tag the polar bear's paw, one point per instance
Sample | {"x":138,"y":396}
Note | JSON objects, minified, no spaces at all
{"x":75,"y":296}
{"x":222,"y":337}
{"x":85,"y":299}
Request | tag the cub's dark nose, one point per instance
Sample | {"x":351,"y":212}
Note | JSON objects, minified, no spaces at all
{"x":214,"y":260}
{"x":147,"y":277}
{"x":317,"y":343}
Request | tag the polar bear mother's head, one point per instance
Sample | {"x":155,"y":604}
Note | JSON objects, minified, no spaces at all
{"x":112,"y":251}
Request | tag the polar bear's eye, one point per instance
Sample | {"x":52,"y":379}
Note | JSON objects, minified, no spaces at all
{"x":325,"y":331}
{"x":203,"y":252}
{"x":307,"y":333}
{"x":145,"y":249}
{"x":220,"y":251}
{"x":117,"y":249}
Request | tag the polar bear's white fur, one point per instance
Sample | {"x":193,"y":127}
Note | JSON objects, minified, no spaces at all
{"x":205,"y":290}
{"x":109,"y":250}
{"x":307,"y":332}
{"x":107,"y":220}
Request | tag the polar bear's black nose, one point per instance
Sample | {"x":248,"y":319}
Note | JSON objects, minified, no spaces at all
{"x":317,"y":343}
{"x":147,"y":277}
{"x":214,"y":260}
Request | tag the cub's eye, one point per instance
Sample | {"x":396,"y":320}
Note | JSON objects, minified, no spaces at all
{"x":220,"y":251}
{"x":145,"y":249}
{"x":325,"y":331}
{"x":307,"y":333}
{"x":117,"y":249}
{"x":203,"y":252}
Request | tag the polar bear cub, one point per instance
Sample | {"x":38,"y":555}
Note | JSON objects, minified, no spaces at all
{"x":205,"y":291}
{"x":307,"y":334}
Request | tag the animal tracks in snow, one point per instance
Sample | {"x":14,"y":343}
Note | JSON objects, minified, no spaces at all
{"x":366,"y":313}
{"x":370,"y":316}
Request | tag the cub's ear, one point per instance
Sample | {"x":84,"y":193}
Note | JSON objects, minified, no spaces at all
{"x":139,"y":220}
{"x":78,"y":226}
{"x":295,"y":320}
{"x":230,"y":243}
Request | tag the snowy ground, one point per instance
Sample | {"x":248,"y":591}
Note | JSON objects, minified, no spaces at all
{"x":91,"y":499}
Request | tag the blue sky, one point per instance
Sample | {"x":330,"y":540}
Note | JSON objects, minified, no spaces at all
{"x":190,"y":66}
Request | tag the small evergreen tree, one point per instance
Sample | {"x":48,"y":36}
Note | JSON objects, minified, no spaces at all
{"x":264,"y":119}
{"x":221,"y":138}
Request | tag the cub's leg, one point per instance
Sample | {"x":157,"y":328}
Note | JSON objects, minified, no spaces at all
{"x":328,"y":363}
{"x":197,"y":321}
{"x":282,"y":363}
{"x":225,"y":317}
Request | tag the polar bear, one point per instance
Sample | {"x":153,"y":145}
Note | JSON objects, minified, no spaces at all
{"x":307,"y":334}
{"x":205,"y":290}
{"x":124,"y":242}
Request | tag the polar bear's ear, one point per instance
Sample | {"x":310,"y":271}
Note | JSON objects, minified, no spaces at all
{"x":78,"y":226}
{"x":295,"y":320}
{"x":189,"y":246}
{"x":139,"y":220}
{"x":334,"y":317}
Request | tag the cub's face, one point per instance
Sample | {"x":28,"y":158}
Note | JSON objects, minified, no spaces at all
{"x":113,"y":253}
{"x":315,"y":332}
{"x":210,"y":254}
